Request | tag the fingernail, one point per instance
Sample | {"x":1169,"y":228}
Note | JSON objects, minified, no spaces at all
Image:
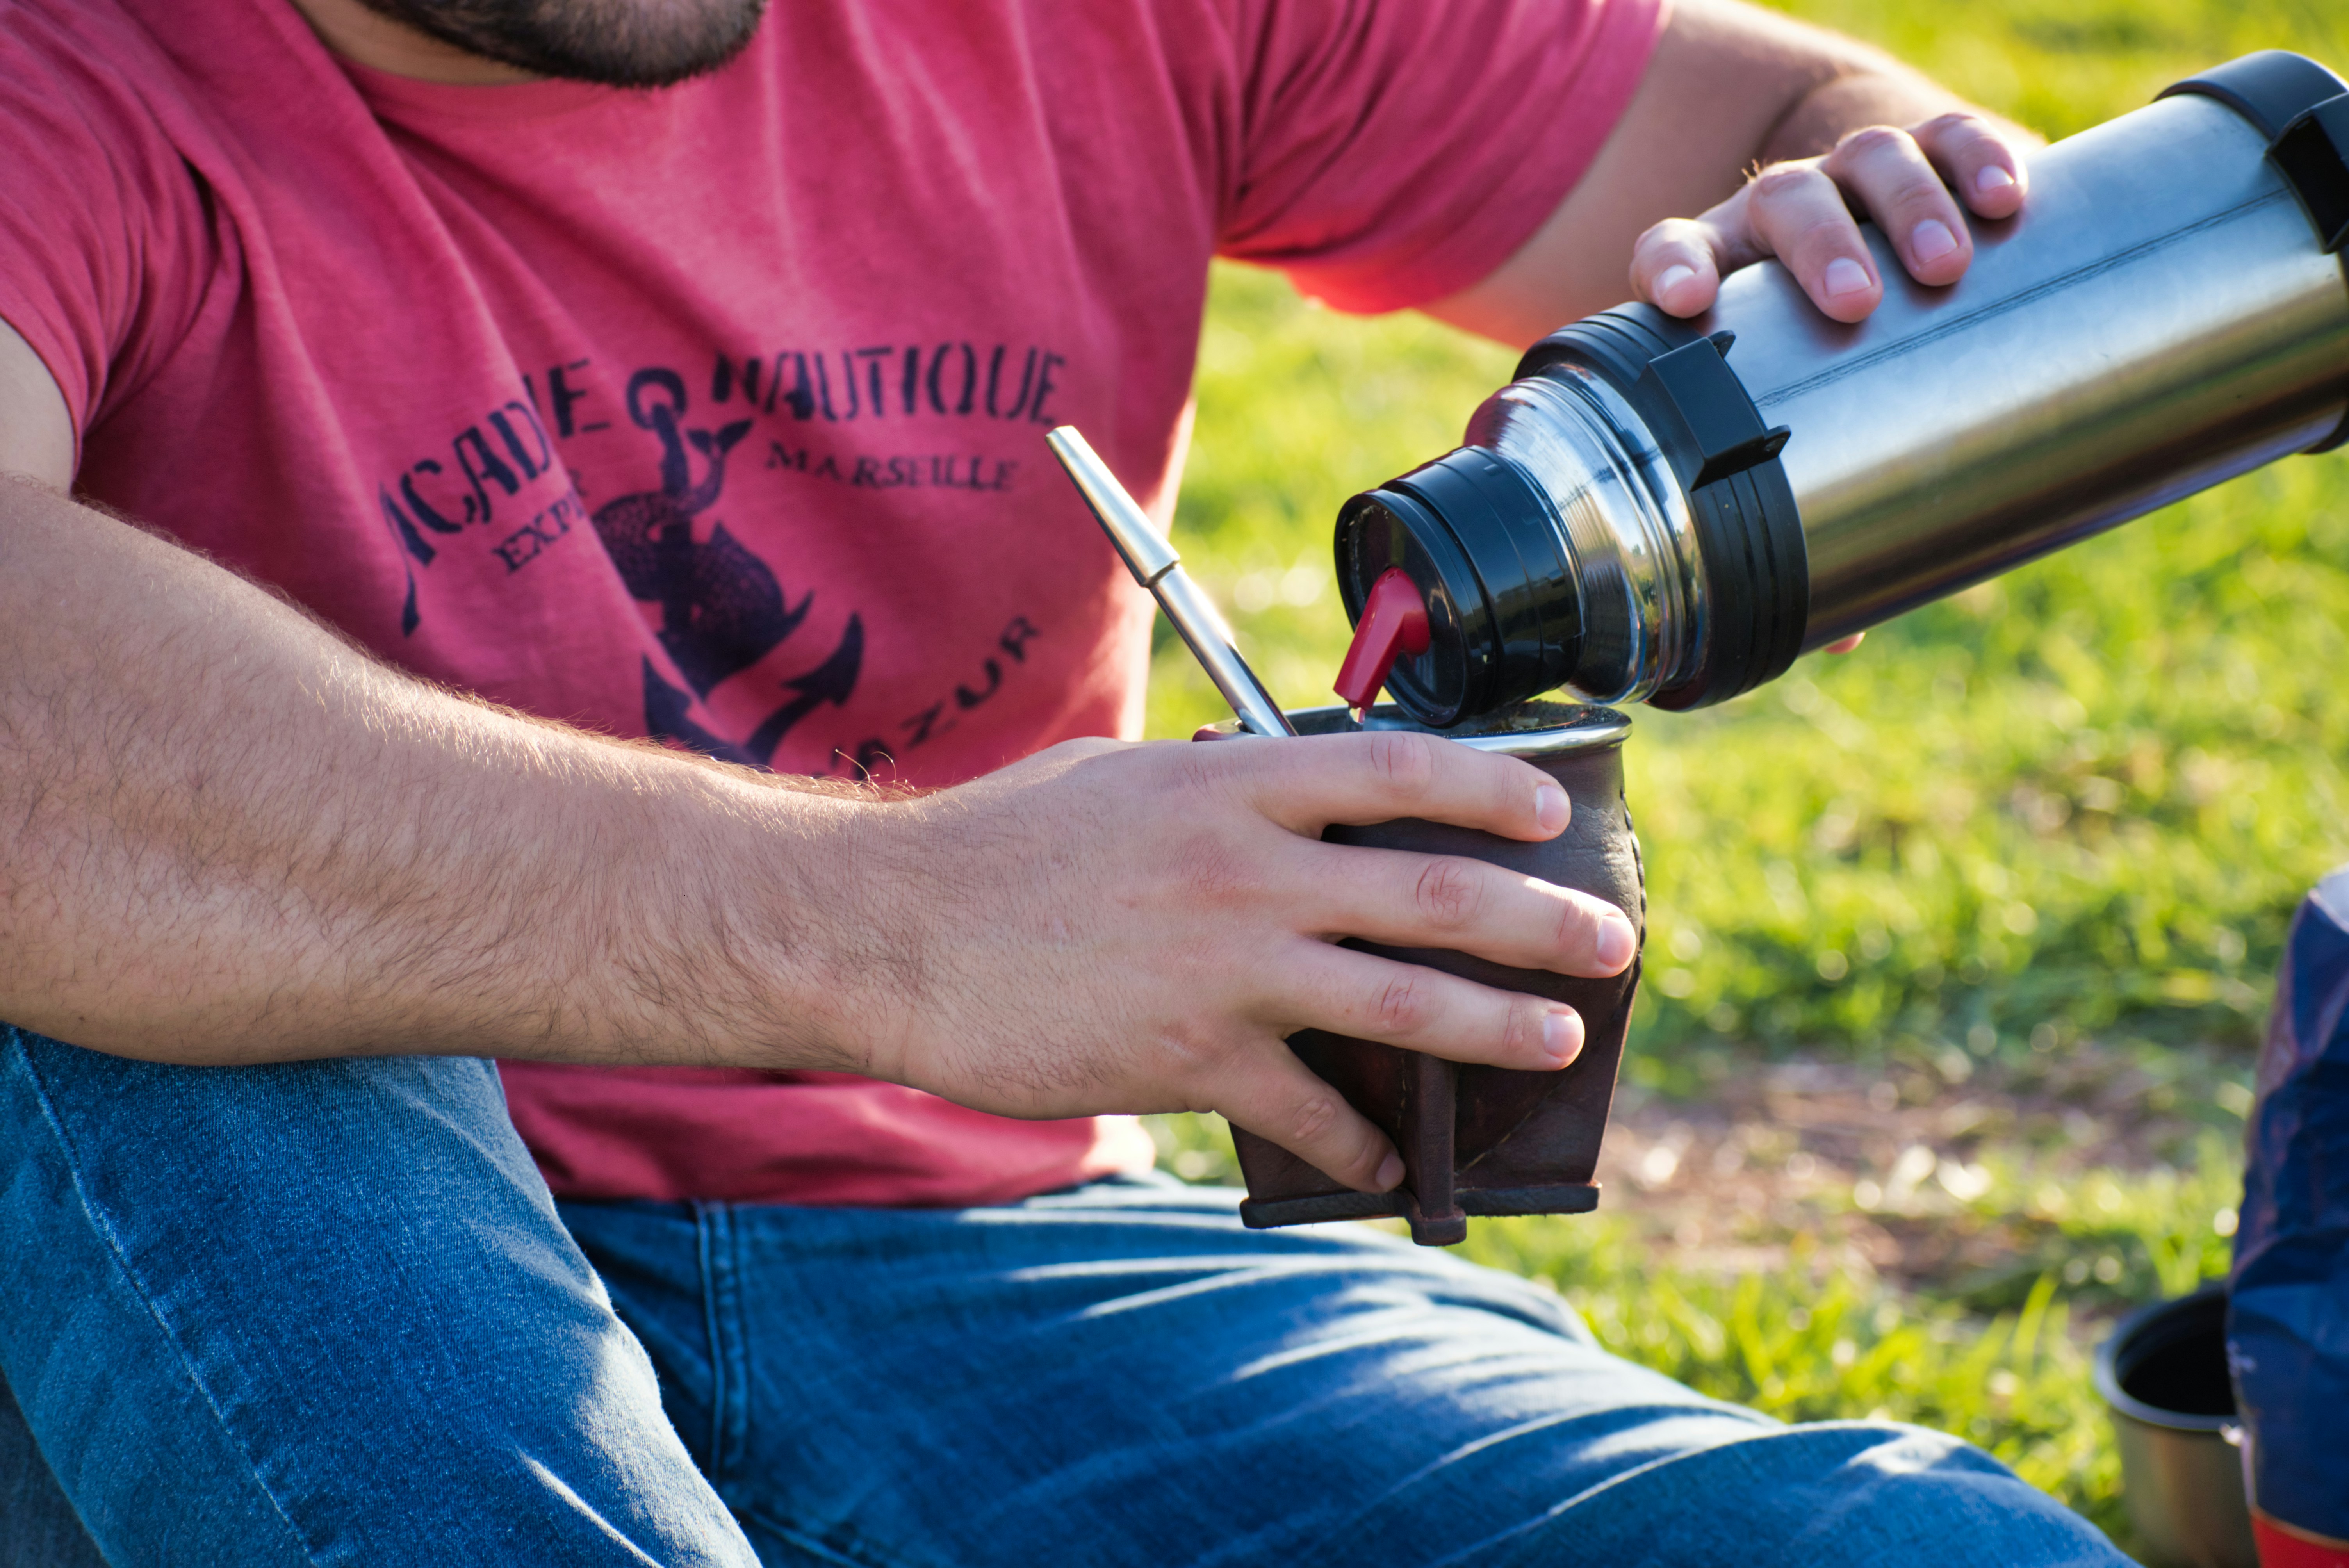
{"x":1550,"y":809}
{"x":1992,"y":180}
{"x":1562,"y":1037}
{"x":1932,"y":239}
{"x":1615,"y":944}
{"x":1846,"y":276}
{"x":1389,"y":1172}
{"x":1672,"y":277}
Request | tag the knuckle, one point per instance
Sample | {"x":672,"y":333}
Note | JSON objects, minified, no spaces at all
{"x":1404,"y":1006}
{"x":1782,"y":182}
{"x":1209,"y":869}
{"x":1875,"y":142}
{"x":1314,"y":1117}
{"x":1521,"y":1029}
{"x":1199,"y":773}
{"x":1404,"y":762}
{"x":1212,"y":775}
{"x":1200,"y":1058}
{"x":1447,"y":894}
{"x":1830,"y":231}
{"x":1578,"y":928}
{"x":1672,"y":232}
{"x":1201,"y":763}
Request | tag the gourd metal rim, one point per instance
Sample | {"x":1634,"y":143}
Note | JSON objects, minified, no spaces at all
{"x":2107,"y":1376}
{"x":1558,"y":729}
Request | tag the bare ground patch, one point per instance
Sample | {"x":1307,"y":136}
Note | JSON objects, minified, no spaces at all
{"x":1967,"y":1189}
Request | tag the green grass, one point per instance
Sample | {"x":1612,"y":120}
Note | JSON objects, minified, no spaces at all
{"x":2076,"y":805}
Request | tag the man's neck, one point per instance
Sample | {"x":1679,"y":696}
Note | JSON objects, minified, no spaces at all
{"x":370,"y":38}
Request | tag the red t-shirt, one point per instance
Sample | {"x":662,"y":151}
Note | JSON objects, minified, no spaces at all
{"x":716,"y":413}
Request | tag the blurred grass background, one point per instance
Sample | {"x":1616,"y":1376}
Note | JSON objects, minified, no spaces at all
{"x":2069,"y":812}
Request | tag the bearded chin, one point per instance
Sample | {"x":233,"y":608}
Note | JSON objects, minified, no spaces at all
{"x":611,"y":42}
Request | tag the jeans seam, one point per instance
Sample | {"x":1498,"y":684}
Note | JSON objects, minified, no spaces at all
{"x":719,"y":1241}
{"x":736,"y":1430}
{"x":113,"y":1244}
{"x":859,"y":1556}
{"x":702,"y":1239}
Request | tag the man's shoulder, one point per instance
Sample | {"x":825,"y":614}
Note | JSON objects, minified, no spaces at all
{"x":112,"y":147}
{"x":86,"y":41}
{"x":97,"y":65}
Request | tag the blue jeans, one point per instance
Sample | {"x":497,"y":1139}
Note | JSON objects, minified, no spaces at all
{"x":328,"y":1313}
{"x":2288,"y":1305}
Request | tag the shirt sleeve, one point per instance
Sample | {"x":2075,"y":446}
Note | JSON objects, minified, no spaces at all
{"x":102,"y":226}
{"x":1395,"y":151}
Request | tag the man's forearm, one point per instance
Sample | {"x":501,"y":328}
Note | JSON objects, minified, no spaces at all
{"x":1730,"y":88}
{"x":1871,"y":89}
{"x":226,"y":836}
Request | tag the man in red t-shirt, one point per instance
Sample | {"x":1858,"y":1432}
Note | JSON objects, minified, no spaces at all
{"x":569,"y":446}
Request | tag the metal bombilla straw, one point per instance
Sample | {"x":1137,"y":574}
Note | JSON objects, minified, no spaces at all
{"x":1156,"y":567}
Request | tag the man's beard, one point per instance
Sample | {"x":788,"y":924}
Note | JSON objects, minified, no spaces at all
{"x":617,"y":43}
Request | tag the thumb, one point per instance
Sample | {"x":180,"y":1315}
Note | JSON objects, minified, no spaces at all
{"x":1278,"y":1098}
{"x":1674,"y":268}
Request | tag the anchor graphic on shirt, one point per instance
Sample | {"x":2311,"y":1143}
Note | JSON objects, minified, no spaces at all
{"x":721,"y":608}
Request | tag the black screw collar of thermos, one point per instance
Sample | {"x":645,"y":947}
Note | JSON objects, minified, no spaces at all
{"x":1741,"y":508}
{"x":1486,"y":545}
{"x":2303,"y":112}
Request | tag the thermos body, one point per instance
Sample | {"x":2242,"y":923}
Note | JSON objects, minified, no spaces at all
{"x":1672,"y":510}
{"x":2157,"y":319}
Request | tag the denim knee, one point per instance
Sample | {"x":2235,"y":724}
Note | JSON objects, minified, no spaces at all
{"x":315,"y":1311}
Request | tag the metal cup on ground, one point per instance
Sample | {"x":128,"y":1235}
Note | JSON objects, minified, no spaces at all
{"x":2163,"y":1373}
{"x":1479,"y":1140}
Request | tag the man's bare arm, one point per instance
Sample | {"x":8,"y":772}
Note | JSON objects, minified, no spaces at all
{"x":1733,"y":89}
{"x":226,"y":836}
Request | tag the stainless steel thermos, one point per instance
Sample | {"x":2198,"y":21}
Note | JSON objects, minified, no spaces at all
{"x":1672,"y":510}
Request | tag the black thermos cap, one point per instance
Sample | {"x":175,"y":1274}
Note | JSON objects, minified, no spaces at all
{"x":1486,"y":549}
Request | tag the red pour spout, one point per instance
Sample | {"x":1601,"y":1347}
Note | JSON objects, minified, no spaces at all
{"x":1394,"y":623}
